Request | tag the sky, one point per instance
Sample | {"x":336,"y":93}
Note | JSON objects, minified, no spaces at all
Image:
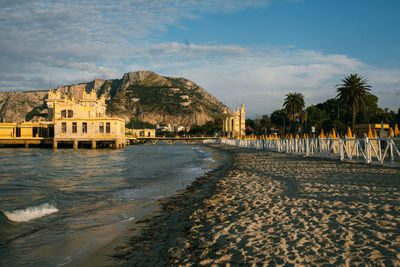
{"x":250,"y":52}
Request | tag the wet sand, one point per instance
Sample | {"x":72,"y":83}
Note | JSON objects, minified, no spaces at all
{"x":276,"y":209}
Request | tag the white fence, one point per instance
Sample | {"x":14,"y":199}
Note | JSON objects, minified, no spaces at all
{"x":367,"y":150}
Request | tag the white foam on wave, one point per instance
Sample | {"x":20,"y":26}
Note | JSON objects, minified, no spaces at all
{"x":30,"y":213}
{"x":126,"y":218}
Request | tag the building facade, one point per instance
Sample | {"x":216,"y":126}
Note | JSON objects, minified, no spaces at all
{"x":234,"y":123}
{"x":84,"y":121}
{"x":141,"y":133}
{"x":77,"y":123}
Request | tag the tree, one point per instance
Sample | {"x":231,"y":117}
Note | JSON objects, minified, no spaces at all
{"x":278,"y":120}
{"x":250,"y":126}
{"x":353,"y":93}
{"x":210,"y":128}
{"x":294,"y":104}
{"x":398,"y":117}
{"x":265,"y":123}
{"x":138,"y":124}
{"x":369,"y":111}
{"x":303,"y":120}
{"x":316,"y":117}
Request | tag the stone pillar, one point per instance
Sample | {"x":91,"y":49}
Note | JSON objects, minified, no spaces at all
{"x":75,"y":144}
{"x":54,"y":144}
{"x":93,"y":143}
{"x":242,"y":121}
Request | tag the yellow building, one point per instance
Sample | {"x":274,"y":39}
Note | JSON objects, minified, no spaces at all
{"x":70,"y":122}
{"x":7,"y":130}
{"x":234,"y":123}
{"x":140,"y":133}
{"x":26,"y":133}
{"x":84,"y":121}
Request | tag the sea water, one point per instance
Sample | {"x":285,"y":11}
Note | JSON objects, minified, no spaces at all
{"x":56,"y":206}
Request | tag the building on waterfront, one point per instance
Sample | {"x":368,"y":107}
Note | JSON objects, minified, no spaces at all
{"x":71,"y":122}
{"x":179,"y":128}
{"x":84,"y":121}
{"x":140,"y":133}
{"x":234,"y":123}
{"x":165,"y":128}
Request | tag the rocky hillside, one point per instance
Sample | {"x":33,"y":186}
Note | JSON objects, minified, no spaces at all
{"x":21,"y":106}
{"x":142,"y":95}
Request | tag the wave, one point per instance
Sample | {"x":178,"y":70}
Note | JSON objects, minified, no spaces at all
{"x":3,"y":219}
{"x":126,"y":218}
{"x":30,"y":213}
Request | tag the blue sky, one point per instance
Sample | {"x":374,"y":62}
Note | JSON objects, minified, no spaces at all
{"x":249,"y":51}
{"x":367,"y":30}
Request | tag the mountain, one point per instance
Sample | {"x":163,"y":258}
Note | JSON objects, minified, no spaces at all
{"x":142,"y":96}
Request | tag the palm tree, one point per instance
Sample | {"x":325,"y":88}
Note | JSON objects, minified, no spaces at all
{"x":352,"y":93}
{"x":303,"y":120}
{"x":294,"y":104}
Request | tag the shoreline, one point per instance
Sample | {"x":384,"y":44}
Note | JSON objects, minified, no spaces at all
{"x":104,"y":255}
{"x":274,"y":208}
{"x":172,"y":210}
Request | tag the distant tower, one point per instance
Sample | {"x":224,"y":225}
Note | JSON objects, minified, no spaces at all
{"x":242,"y":121}
{"x":234,"y":124}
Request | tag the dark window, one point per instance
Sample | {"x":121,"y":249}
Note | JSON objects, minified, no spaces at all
{"x":18,"y":132}
{"x":63,"y":113}
{"x":51,"y":131}
{"x":63,"y":127}
{"x":84,"y":127}
{"x":148,"y":134}
{"x":108,"y":127}
{"x":70,"y":113}
{"x":101,"y":127}
{"x":74,"y":127}
{"x":45,"y":131}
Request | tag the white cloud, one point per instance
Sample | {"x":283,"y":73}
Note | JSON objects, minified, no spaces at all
{"x":192,"y":51}
{"x":261,"y":78}
{"x":56,"y":37}
{"x":77,"y":41}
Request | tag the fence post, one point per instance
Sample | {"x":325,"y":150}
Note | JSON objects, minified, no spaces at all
{"x":341,"y":152}
{"x":285,"y":142}
{"x":367,"y":150}
{"x":391,"y":149}
{"x":321,"y":148}
{"x":357,"y":143}
{"x":307,"y":146}
{"x":328,"y":146}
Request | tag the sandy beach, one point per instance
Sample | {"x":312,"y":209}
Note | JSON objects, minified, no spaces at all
{"x":275,"y":209}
